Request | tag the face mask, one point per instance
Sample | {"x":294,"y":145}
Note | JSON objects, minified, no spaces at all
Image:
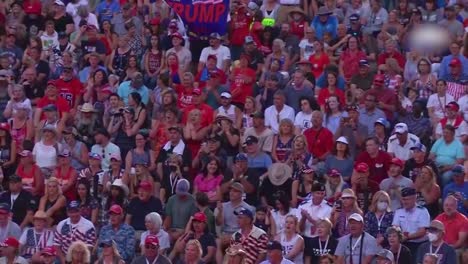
{"x":173,"y":168}
{"x":432,"y":237}
{"x":382,"y":206}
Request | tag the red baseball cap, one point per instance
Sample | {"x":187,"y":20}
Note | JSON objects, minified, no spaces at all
{"x":51,"y":83}
{"x":146,"y":185}
{"x":200,"y":217}
{"x":152,"y":240}
{"x":177,"y":35}
{"x":398,"y":162}
{"x":10,"y":242}
{"x":49,"y":251}
{"x":197,"y":91}
{"x":454,"y":106}
{"x":362,"y":167}
{"x":212,"y":56}
{"x":155,"y":21}
{"x":116,"y":209}
{"x":4,"y":126}
{"x":379,"y":79}
{"x":455,"y":62}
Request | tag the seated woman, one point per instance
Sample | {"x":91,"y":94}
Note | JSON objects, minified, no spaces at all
{"x":30,"y":173}
{"x":79,"y":151}
{"x":140,"y":152}
{"x":125,"y":130}
{"x":118,"y":195}
{"x":46,"y":150}
{"x":89,"y":206}
{"x":300,"y":157}
{"x":209,"y":181}
{"x":292,"y":242}
{"x":334,"y":185}
{"x":283,"y":142}
{"x":302,"y":186}
{"x":281,"y":210}
{"x":428,"y":191}
{"x":153,"y":223}
{"x":53,"y":203}
{"x":66,"y":175}
{"x":334,"y":113}
{"x":340,"y":159}
{"x":194,"y":131}
{"x":324,"y":244}
{"x":171,"y":177}
{"x":7,"y":149}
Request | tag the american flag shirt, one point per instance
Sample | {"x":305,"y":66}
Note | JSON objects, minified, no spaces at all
{"x":67,"y":233}
{"x":34,"y":242}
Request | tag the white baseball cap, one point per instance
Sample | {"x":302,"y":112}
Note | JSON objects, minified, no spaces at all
{"x":356,"y":217}
{"x":343,"y":140}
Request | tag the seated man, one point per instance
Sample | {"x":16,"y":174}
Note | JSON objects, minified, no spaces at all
{"x":456,"y":224}
{"x":435,"y":233}
{"x":458,"y":188}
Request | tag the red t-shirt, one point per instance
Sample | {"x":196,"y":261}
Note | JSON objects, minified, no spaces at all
{"x":395,"y":55}
{"x":319,"y":141}
{"x":324,"y":94}
{"x":351,"y":63}
{"x":297,"y":28}
{"x":207,"y":114}
{"x":62,"y":105}
{"x":184,"y":96}
{"x":240,"y":25}
{"x":70,"y":90}
{"x":378,"y":166}
{"x":319,"y":63}
{"x":32,"y":7}
{"x":453,"y":226}
{"x":240,"y":89}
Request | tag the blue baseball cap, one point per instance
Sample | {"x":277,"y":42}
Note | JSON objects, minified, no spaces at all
{"x":244,"y":212}
{"x":241,"y":157}
{"x":419,"y":147}
{"x":458,"y":170}
{"x":73,"y":205}
{"x":382,"y":121}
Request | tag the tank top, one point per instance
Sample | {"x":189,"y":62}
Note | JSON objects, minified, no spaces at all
{"x":284,"y":149}
{"x":288,"y":247}
{"x":18,"y":135}
{"x":425,"y":89}
{"x":76,"y":152}
{"x":154,"y":61}
{"x":27,"y":178}
{"x":58,"y":215}
{"x":65,"y":179}
{"x":230,"y":112}
{"x":145,"y":156}
{"x":120,"y":60}
{"x":247,"y":121}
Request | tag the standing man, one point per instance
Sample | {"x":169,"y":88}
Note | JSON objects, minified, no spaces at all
{"x":401,"y":143}
{"x":357,"y":247}
{"x":222,"y":53}
{"x":319,"y":139}
{"x":395,"y":182}
{"x":412,"y":219}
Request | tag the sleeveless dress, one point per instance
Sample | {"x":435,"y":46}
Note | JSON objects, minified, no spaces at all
{"x":27,"y":178}
{"x":65,"y":179}
{"x":58,"y":215}
{"x":120,"y":61}
{"x":288,"y":247}
{"x":145,"y":156}
{"x":284,"y":149}
{"x":18,"y":135}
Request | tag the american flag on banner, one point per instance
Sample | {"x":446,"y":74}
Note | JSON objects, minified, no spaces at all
{"x":36,"y":242}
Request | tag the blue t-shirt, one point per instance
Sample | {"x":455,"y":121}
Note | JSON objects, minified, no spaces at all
{"x":105,"y":10}
{"x":452,"y":188}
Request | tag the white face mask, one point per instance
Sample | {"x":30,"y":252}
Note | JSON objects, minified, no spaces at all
{"x":382,"y":206}
{"x":432,"y":237}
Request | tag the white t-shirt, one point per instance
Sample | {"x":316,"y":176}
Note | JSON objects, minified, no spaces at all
{"x":222,"y":53}
{"x":72,"y":8}
{"x":317,"y":212}
{"x":45,"y":156}
{"x":49,"y":41}
{"x":439,"y":103}
{"x":308,"y":48}
{"x":303,"y":121}
{"x":280,"y":219}
{"x":463,"y":103}
{"x":163,"y":236}
{"x":461,"y":131}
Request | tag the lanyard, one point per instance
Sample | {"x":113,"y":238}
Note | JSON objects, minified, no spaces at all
{"x":398,"y":255}
{"x":351,"y":248}
{"x":437,"y":249}
{"x":173,"y":178}
{"x":323,"y":251}
{"x":379,"y":221}
{"x":154,"y":261}
{"x":37,"y":241}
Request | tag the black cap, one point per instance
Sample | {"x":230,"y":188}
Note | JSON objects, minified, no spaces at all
{"x":15,"y":178}
{"x":408,"y":191}
{"x":354,"y":17}
{"x":274,"y":245}
{"x":318,"y":187}
{"x":213,"y":137}
{"x":49,"y":108}
{"x":258,"y":114}
{"x":62,"y":34}
{"x":251,"y":140}
{"x":102,"y":131}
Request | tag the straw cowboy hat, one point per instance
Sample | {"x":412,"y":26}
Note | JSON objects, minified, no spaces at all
{"x":279,"y":173}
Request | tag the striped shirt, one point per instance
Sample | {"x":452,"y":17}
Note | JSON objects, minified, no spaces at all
{"x":254,"y":245}
{"x":67,"y":233}
{"x":33,"y":242}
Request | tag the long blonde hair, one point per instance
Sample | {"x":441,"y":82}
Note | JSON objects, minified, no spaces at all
{"x":76,"y":245}
{"x":375,"y":199}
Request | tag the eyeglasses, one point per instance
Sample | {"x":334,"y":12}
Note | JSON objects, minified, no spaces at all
{"x":150,"y":247}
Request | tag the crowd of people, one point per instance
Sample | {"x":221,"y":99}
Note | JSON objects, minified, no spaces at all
{"x":315,"y":131}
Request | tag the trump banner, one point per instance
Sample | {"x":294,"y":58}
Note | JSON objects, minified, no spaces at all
{"x":202,"y":17}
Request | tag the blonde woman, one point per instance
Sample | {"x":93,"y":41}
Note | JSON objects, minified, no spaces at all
{"x":428,"y":191}
{"x":53,"y":202}
{"x":78,"y":253}
{"x":299,"y":157}
{"x":110,"y":253}
{"x":379,"y":217}
{"x":278,"y":54}
{"x":344,"y":207}
{"x":292,"y":242}
{"x":283,"y":142}
{"x":194,"y":131}
{"x":193,"y":252}
{"x":324,"y":244}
